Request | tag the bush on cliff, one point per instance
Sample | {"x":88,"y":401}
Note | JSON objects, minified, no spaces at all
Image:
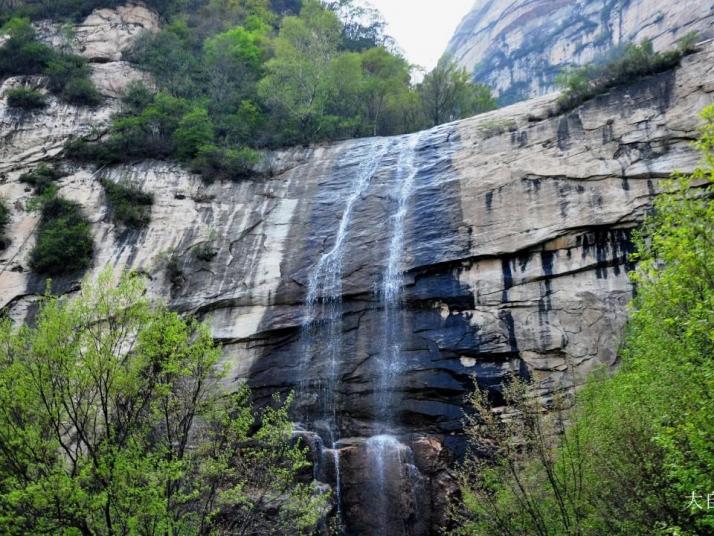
{"x":129,"y":205}
{"x":42,"y":178}
{"x":113,"y":421}
{"x":64,"y":239}
{"x":27,"y":99}
{"x":4,"y":221}
{"x":68,"y":74}
{"x":636,"y":456}
{"x":630,"y":63}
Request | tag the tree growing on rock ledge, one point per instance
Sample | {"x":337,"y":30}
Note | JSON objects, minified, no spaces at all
{"x":111,"y":422}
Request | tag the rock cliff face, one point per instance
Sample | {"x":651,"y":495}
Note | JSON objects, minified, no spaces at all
{"x":378,"y":278}
{"x":518,"y":46}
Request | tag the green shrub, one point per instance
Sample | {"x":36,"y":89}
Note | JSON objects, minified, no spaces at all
{"x":136,"y":98}
{"x":69,"y":77}
{"x":205,"y":251}
{"x":632,"y":62}
{"x":81,"y":92}
{"x":42,"y":178}
{"x":64,"y":68}
{"x":22,"y":54}
{"x":68,"y":74}
{"x":26,"y":99}
{"x":74,"y":10}
{"x":4,"y":220}
{"x":215,"y":162}
{"x":82,"y":150}
{"x":129,"y":205}
{"x":64,"y":239}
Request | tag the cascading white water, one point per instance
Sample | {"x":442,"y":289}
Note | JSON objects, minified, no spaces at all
{"x":388,"y":458}
{"x":387,"y":455}
{"x":324,"y":315}
{"x":391,"y":291}
{"x":321,"y":336}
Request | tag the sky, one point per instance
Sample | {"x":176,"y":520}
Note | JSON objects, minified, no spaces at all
{"x":422,"y":28}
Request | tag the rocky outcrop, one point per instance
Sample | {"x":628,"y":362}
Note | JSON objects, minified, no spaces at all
{"x":513,"y":255}
{"x":518,"y":46}
{"x":105,"y":34}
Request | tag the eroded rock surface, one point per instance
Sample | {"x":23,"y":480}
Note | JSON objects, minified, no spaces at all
{"x":518,"y":46}
{"x":514,"y":253}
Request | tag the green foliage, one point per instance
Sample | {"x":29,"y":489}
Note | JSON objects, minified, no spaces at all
{"x":64,"y":240}
{"x":295,"y":87}
{"x":448,"y":94}
{"x":205,"y":251}
{"x":25,"y":98}
{"x":236,"y":76}
{"x":630,"y":63}
{"x":145,"y":129}
{"x":113,"y":421}
{"x":22,"y":54}
{"x":4,"y":221}
{"x":72,"y":10}
{"x":68,"y":74}
{"x":637,"y":447}
{"x":193,"y":131}
{"x":129,"y":205}
{"x":42,"y":179}
{"x":215,"y":162}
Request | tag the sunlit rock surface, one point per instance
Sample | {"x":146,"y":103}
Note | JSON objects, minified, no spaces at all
{"x":514,"y":252}
{"x":518,"y":46}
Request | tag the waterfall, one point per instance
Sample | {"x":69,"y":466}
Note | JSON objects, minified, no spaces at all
{"x":323,"y":320}
{"x":388,"y":457}
{"x":389,"y":462}
{"x":390,"y":362}
{"x":393,"y":471}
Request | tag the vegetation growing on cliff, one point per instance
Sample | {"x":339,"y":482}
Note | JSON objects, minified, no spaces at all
{"x":627,"y":64}
{"x":70,"y":10}
{"x":42,"y":178}
{"x":635,"y":455}
{"x":4,"y":221}
{"x":27,"y":99}
{"x":67,"y":74}
{"x":112,"y":421}
{"x":448,"y":94}
{"x":129,"y":206}
{"x":236,"y":77}
{"x":64,"y":239}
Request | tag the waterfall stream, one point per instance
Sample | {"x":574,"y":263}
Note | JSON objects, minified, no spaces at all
{"x":390,"y":462}
{"x":322,"y":327}
{"x":391,"y":291}
{"x":388,"y":457}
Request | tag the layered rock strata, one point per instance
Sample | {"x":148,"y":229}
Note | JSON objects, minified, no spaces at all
{"x":513,"y":255}
{"x":517,"y":47}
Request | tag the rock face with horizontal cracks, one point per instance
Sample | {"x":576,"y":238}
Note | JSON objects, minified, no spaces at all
{"x":517,"y":47}
{"x":514,"y":251}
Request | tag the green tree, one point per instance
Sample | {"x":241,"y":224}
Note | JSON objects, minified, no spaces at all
{"x":386,"y":84}
{"x":295,"y":88}
{"x":112,"y":421}
{"x":448,"y":94}
{"x":234,"y":62}
{"x":194,"y":130}
{"x":636,"y":457}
